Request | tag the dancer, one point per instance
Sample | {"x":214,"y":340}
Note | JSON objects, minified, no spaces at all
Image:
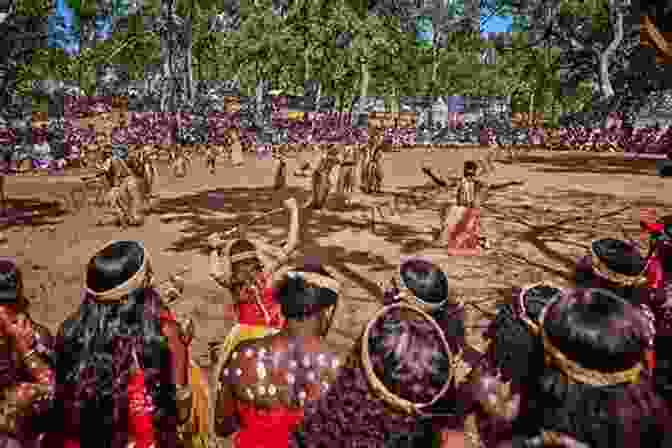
{"x":321,"y":178}
{"x":115,"y":171}
{"x":27,"y":365}
{"x":121,"y":363}
{"x":246,"y":267}
{"x":280,"y":176}
{"x":461,"y":223}
{"x":372,"y":172}
{"x":210,"y":158}
{"x":181,"y":162}
{"x":267,"y":383}
{"x":306,"y":150}
{"x":89,"y":149}
{"x":150,"y":173}
{"x":129,"y":201}
{"x":236,"y":146}
{"x":346,"y":173}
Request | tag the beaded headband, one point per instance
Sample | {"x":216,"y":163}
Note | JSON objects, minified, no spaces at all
{"x":119,"y":293}
{"x":601,"y":268}
{"x":573,"y":370}
{"x":378,"y":387}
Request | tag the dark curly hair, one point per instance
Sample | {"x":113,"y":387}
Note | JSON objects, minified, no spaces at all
{"x":599,"y":331}
{"x":409,"y":358}
{"x":244,"y":271}
{"x":514,"y":349}
{"x":94,"y":357}
{"x":620,"y":257}
{"x":301,"y":300}
{"x":426,"y":280}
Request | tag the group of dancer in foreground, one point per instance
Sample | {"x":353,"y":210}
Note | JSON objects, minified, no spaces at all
{"x":576,"y":367}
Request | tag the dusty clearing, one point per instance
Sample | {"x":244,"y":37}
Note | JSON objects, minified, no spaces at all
{"x":536,"y":230}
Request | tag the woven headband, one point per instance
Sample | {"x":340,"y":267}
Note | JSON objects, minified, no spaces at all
{"x":601,"y":268}
{"x":577,"y":373}
{"x":119,"y":293}
{"x":378,"y":387}
{"x":321,"y":281}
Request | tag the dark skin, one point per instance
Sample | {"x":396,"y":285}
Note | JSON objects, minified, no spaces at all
{"x":178,"y":349}
{"x":312,"y":331}
{"x":19,"y":331}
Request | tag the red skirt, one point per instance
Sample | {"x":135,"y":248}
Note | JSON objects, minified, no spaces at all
{"x":462,"y":231}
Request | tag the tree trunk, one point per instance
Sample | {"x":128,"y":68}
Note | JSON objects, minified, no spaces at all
{"x":606,"y":88}
{"x":306,"y":66}
{"x":364,"y":85}
{"x":395,"y":100}
{"x":189,"y":72}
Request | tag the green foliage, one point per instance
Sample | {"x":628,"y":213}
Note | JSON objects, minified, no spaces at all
{"x":456,"y":8}
{"x":34,"y":8}
{"x":287,"y":51}
{"x":596,"y":10}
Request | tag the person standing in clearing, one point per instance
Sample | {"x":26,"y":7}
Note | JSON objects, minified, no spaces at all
{"x":129,"y":200}
{"x":321,"y":177}
{"x":150,"y":172}
{"x":346,"y":173}
{"x":210,"y":158}
{"x":372,"y":173}
{"x":181,"y":163}
{"x":280,"y":176}
{"x":461,"y":224}
{"x":236,"y":147}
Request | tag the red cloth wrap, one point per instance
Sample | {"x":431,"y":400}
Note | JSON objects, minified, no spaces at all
{"x":650,"y":356}
{"x":249,"y":311}
{"x":167,"y":315}
{"x":654,"y":272}
{"x":264,"y":428}
{"x":140,"y":425}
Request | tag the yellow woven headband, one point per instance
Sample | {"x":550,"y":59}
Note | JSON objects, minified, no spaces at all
{"x":577,"y":373}
{"x":138,"y":280}
{"x":378,"y":387}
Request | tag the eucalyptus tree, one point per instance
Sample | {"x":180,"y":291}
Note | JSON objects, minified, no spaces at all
{"x":24,"y":30}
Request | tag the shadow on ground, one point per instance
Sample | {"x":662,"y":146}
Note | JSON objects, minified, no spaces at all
{"x":590,"y":163}
{"x":31,"y":212}
{"x":568,"y":218}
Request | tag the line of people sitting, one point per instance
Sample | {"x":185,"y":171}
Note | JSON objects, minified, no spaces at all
{"x":563,"y":367}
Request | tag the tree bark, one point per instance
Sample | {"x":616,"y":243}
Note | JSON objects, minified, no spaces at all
{"x":364,"y":84}
{"x":606,"y":88}
{"x":189,"y":72}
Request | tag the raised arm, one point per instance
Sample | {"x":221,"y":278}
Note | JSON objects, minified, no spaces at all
{"x":220,"y":272}
{"x":437,"y":180}
{"x":282,"y":254}
{"x":26,"y":400}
